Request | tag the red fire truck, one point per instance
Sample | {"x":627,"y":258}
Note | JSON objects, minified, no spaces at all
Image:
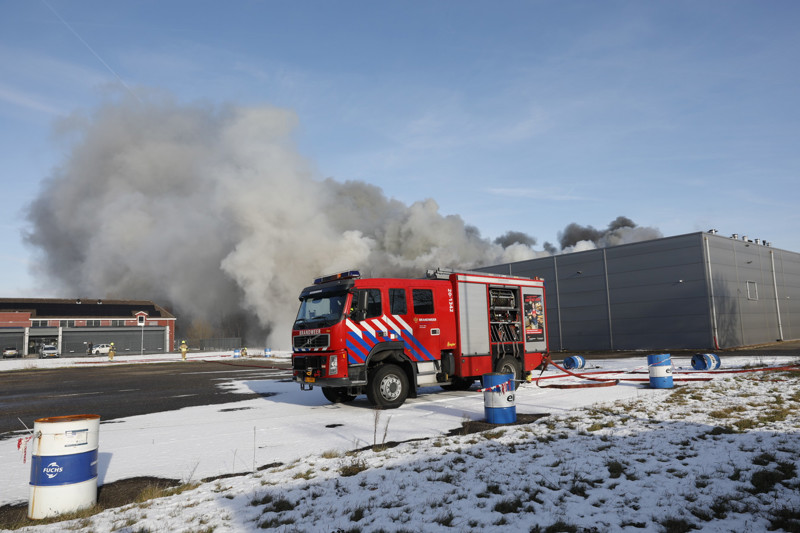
{"x":387,"y":337}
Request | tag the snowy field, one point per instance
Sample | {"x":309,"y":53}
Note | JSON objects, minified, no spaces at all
{"x":717,"y":455}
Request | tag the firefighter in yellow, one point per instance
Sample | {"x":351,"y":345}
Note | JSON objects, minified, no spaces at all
{"x":184,"y":348}
{"x":111,"y":352}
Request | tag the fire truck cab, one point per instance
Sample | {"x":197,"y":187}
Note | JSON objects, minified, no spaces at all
{"x":387,"y":337}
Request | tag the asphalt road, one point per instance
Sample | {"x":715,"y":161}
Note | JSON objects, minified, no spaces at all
{"x":123,"y":390}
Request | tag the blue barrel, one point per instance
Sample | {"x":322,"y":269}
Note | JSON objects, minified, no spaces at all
{"x":574,"y":361}
{"x":705,"y":361}
{"x":64,"y":465}
{"x":498,"y":398}
{"x":237,"y":352}
{"x":660,"y":371}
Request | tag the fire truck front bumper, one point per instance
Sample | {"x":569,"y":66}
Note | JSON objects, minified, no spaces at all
{"x":310,"y":370}
{"x":308,"y":383}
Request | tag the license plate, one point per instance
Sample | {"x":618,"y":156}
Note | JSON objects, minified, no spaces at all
{"x":310,"y":380}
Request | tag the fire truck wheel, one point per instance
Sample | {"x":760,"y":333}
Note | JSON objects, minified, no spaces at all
{"x":509,"y":365}
{"x":337,"y":394}
{"x":388,"y":387}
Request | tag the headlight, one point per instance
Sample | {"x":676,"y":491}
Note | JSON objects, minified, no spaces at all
{"x":333,"y":365}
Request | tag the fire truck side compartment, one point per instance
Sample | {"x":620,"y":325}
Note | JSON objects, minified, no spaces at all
{"x":473,"y":318}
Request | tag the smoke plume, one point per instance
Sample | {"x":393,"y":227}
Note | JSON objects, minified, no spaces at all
{"x":515,"y":237}
{"x":212,"y":211}
{"x":622,"y":230}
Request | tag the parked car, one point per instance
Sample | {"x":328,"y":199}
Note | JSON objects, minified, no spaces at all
{"x":101,"y":349}
{"x":48,"y":350}
{"x":11,"y":351}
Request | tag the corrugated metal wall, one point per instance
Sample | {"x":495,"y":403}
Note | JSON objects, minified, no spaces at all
{"x":656,"y":294}
{"x":756,"y":291}
{"x":787,"y":267}
{"x":126,"y":340}
{"x":12,"y":337}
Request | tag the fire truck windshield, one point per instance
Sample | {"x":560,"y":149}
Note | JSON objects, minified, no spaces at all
{"x":320,"y":311}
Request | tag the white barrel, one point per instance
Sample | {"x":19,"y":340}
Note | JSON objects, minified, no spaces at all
{"x":660,"y":366}
{"x":498,"y":398}
{"x":64,"y":465}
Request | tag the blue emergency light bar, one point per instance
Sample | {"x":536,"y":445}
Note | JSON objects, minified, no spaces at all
{"x":348,"y":274}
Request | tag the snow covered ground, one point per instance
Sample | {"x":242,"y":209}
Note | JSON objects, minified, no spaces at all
{"x":719,"y":455}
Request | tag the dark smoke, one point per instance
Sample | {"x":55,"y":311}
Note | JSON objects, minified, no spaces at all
{"x":574,"y":233}
{"x":213,"y":212}
{"x":515,"y":237}
{"x":621,"y":230}
{"x":621,"y":222}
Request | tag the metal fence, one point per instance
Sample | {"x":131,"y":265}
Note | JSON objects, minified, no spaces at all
{"x":214,"y":345}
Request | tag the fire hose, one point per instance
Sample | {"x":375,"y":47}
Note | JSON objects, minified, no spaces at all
{"x":609,"y":382}
{"x":601,"y":382}
{"x":267,"y":367}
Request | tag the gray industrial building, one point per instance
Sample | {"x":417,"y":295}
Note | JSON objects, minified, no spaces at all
{"x":696,"y":291}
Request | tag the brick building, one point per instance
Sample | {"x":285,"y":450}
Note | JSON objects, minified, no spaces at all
{"x":134,"y":326}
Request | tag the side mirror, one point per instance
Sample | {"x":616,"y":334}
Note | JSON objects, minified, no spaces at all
{"x":360,"y":310}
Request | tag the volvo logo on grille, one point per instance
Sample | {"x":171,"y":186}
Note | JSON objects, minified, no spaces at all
{"x":311,"y":341}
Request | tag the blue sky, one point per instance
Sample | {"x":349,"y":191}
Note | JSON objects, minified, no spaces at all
{"x":522,"y":116}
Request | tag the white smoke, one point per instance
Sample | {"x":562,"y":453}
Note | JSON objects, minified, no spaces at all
{"x":212,"y":211}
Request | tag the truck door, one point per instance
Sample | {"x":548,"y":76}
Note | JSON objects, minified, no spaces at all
{"x":402,"y":320}
{"x":363,"y":330}
{"x":412,"y":317}
{"x":425,"y":323}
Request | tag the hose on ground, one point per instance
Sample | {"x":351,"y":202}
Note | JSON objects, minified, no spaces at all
{"x":600,"y":382}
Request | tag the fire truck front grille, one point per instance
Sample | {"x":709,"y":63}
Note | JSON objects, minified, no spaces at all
{"x":307,"y":362}
{"x":311,"y":343}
